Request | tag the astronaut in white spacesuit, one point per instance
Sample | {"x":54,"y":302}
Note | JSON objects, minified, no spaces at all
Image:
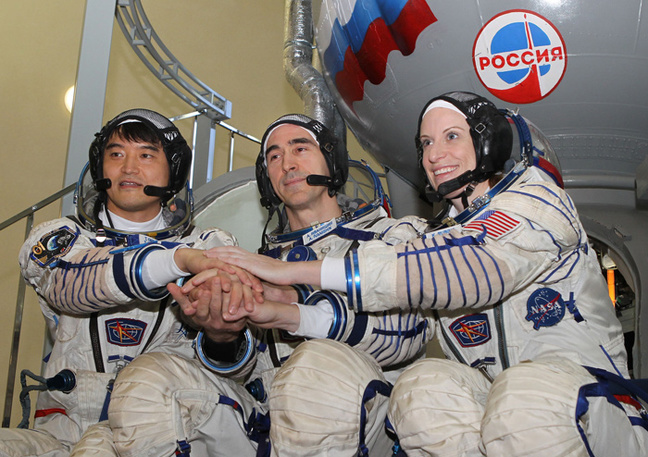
{"x":100,"y":277}
{"x":536,"y":359}
{"x":333,"y":383}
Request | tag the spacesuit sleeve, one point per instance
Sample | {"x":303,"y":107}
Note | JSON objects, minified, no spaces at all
{"x":390,"y":337}
{"x":160,"y":268}
{"x":74,"y":276}
{"x":522,"y":235}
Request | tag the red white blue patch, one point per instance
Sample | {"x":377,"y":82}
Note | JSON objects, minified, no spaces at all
{"x":519,"y":56}
{"x":53,"y":245}
{"x":125,"y":332}
{"x":471,"y":330}
{"x":545,"y":307}
{"x":496,"y":224}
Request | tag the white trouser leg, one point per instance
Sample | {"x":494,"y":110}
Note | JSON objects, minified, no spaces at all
{"x":436,"y":408}
{"x":29,"y":443}
{"x":97,"y":441}
{"x":316,"y":401}
{"x":159,"y":399}
{"x":531,"y":412}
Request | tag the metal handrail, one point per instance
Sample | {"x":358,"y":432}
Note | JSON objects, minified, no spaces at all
{"x":20,"y":299}
{"x":233,"y":131}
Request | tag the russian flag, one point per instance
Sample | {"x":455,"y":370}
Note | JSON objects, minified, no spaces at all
{"x":362,"y":34}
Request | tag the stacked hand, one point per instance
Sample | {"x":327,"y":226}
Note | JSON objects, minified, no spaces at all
{"x":205,"y":305}
{"x":223,"y":300}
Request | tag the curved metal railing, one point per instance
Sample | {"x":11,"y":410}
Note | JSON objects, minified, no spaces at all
{"x":156,"y":56}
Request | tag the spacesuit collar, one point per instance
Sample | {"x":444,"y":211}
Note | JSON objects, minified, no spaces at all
{"x":156,"y":224}
{"x":478,"y":204}
{"x":173,"y":223}
{"x":352,"y":209}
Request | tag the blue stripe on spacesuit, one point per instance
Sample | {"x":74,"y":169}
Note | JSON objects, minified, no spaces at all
{"x":340,"y":313}
{"x":549,"y":234}
{"x":356,"y":280}
{"x":481,"y":263}
{"x":569,"y":218}
{"x":388,"y":341}
{"x":409,"y":333}
{"x":549,"y":277}
{"x":409,"y":295}
{"x":349,"y":279}
{"x":83,"y":279}
{"x":429,"y":257}
{"x":460,"y":277}
{"x":499,"y":275}
{"x":120,"y":275}
{"x":450,"y":247}
{"x":437,"y":249}
{"x":136,"y":269}
{"x":78,"y":274}
{"x":358,"y":330}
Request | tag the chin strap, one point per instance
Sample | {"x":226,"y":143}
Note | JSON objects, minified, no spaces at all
{"x":467,"y":193}
{"x":452,"y":185}
{"x":264,"y":243}
{"x":321,"y":180}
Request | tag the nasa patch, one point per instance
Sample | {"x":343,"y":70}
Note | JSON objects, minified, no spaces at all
{"x":471,"y":330}
{"x":519,"y":56}
{"x":545,"y":307}
{"x":53,"y":245}
{"x":125,"y":332}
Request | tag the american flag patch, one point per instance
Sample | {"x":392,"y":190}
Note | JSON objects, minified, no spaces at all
{"x":496,"y":224}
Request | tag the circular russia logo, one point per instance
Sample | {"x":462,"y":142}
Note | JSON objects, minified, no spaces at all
{"x":519,"y":56}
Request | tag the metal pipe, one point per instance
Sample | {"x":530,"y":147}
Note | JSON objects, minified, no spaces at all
{"x":231,"y":152}
{"x":595,"y":181}
{"x":307,"y":81}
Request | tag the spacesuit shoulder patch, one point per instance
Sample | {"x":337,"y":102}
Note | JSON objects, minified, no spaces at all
{"x":496,"y":224}
{"x":545,"y":307}
{"x":471,"y":330}
{"x":53,"y":245}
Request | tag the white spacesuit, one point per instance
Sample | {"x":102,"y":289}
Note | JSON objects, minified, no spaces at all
{"x":337,"y":392}
{"x":523,"y":307}
{"x":100,"y":281}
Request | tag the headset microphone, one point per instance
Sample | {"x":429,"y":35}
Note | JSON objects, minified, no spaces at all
{"x":103,"y":184}
{"x":155,"y":191}
{"x":319,"y":180}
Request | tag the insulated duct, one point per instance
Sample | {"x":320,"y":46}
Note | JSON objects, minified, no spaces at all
{"x":307,"y":81}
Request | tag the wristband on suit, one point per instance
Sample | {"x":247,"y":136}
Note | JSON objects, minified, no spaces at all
{"x":303,"y":291}
{"x":224,"y":358}
{"x":138,"y":265}
{"x":340,"y":312}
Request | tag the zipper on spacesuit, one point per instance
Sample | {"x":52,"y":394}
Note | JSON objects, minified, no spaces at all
{"x":501,"y":336}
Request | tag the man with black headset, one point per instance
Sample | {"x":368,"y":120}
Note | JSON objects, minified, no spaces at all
{"x":100,"y":278}
{"x":318,"y":361}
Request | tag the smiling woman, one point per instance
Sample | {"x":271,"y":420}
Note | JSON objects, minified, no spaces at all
{"x":448,"y":151}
